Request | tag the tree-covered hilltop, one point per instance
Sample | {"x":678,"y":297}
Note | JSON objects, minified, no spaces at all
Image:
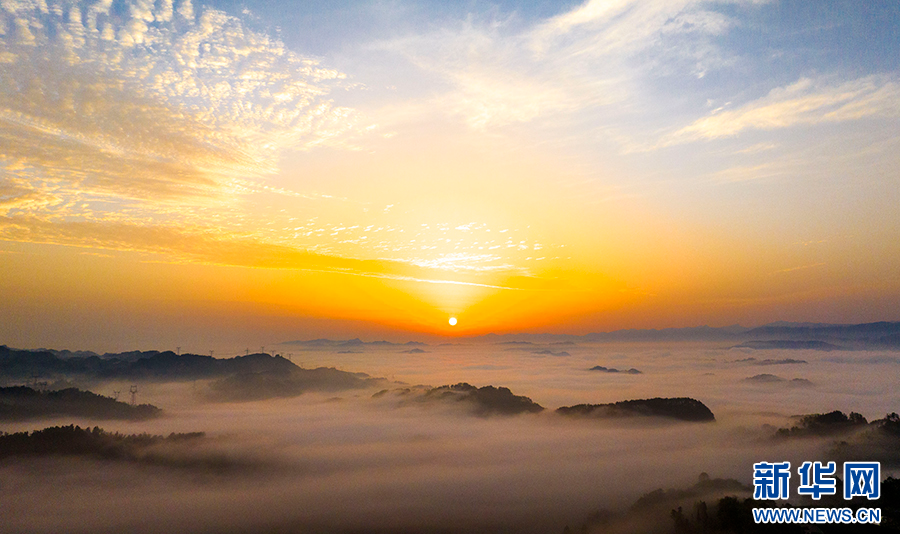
{"x":724,"y":506}
{"x":242,"y":378}
{"x":291,"y":382}
{"x":73,"y":440}
{"x":183,"y":451}
{"x":824,"y":424}
{"x":681,"y":408}
{"x":21,"y":403}
{"x":852,"y":436}
{"x":484,"y":401}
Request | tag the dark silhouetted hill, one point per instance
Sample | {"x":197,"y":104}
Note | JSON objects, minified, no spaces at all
{"x":782,"y":361}
{"x":882,"y":334}
{"x":602,"y":369}
{"x":786,"y":344}
{"x":853,"y":437}
{"x":767,"y":378}
{"x":23,"y":403}
{"x":487,"y":400}
{"x":734,"y":515}
{"x":291,"y":382}
{"x":859,"y":336}
{"x":653,"y":512}
{"x":484,"y":401}
{"x":547,"y":352}
{"x":824,"y":424}
{"x":681,"y":408}
{"x":314,"y":344}
{"x":685,"y":511}
{"x":184,"y":451}
{"x":151,"y":365}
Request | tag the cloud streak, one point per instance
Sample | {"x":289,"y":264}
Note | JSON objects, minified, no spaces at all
{"x":218,"y":248}
{"x":583,"y":60}
{"x":805,"y":102}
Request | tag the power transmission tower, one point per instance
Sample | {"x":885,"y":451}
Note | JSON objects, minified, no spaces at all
{"x":133,"y":390}
{"x":178,"y":351}
{"x":115,"y":395}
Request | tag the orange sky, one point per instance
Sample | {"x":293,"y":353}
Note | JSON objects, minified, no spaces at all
{"x":178,"y":173}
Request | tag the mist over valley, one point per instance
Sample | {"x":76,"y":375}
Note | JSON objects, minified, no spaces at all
{"x":456,"y":438}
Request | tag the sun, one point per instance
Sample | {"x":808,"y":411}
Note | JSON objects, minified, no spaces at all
{"x":453,"y":321}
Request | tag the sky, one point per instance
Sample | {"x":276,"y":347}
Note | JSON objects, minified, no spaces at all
{"x":281,"y":170}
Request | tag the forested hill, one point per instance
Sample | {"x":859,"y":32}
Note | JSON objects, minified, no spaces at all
{"x":25,"y":364}
{"x":22,"y":403}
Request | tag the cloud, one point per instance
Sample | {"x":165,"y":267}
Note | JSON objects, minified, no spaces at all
{"x":804,"y":102}
{"x":220,"y":247}
{"x":600,"y":27}
{"x":584,"y":60}
{"x":154,"y":99}
{"x":18,"y":194}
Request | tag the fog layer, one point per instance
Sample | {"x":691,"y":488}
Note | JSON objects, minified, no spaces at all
{"x":345,"y":462}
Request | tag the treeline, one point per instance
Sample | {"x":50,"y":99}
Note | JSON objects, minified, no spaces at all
{"x":152,"y":365}
{"x":76,"y":441}
{"x":837,"y":422}
{"x":21,"y":403}
{"x":180,"y":451}
{"x":681,"y":408}
{"x":731,"y":515}
{"x":724,"y":506}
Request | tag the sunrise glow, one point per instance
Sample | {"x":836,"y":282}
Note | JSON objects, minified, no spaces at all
{"x":569,"y":168}
{"x":595,"y":266}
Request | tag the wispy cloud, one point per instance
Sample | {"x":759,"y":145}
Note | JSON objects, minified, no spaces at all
{"x":800,"y":268}
{"x":207,"y":246}
{"x":805,"y":102}
{"x":579,"y":61}
{"x":601,"y":27}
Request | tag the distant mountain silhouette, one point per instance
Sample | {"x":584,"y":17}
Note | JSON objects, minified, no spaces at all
{"x":769,"y":361}
{"x":843,"y":336}
{"x":356,"y":342}
{"x":764,"y":379}
{"x":602,"y":369}
{"x":546,"y":352}
{"x":767,"y":378}
{"x":858,"y":336}
{"x":152,"y":365}
{"x":698,"y":333}
{"x":682,"y":408}
{"x":788,"y":344}
{"x":822,"y":331}
{"x":22,"y":403}
{"x":891,"y":340}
